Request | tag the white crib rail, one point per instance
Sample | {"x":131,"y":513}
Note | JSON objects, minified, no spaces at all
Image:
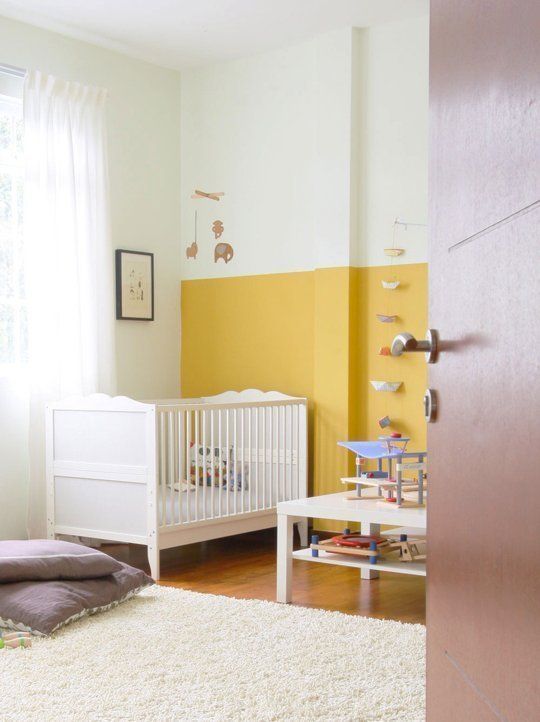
{"x":218,"y":460}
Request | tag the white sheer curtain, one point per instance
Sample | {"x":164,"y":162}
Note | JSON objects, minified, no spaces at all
{"x":68,"y":257}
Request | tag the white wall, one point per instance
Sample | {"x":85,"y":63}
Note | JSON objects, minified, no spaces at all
{"x":144,"y":156}
{"x":391,"y":65}
{"x":272,"y":132}
{"x":317,"y":147}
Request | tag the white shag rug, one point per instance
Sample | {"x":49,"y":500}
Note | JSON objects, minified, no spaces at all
{"x":171,"y":654}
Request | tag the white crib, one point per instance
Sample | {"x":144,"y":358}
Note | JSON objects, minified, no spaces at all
{"x":169,"y":473}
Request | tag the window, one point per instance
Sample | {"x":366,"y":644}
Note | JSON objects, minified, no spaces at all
{"x":13,"y":310}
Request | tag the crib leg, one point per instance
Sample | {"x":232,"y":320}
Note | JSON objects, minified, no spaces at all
{"x":303,"y":532}
{"x":153,"y":560}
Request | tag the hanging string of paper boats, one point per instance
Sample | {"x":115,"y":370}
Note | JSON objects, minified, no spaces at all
{"x":390,"y":285}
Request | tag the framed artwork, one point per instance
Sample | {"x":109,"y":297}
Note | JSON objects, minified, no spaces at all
{"x":134,"y":285}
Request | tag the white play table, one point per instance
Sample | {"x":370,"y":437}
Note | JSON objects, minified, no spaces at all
{"x":367,"y":510}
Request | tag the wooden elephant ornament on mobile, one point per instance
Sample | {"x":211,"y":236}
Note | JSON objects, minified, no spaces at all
{"x":223,"y":250}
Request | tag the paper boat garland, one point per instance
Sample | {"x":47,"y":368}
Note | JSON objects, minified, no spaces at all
{"x":386,"y":319}
{"x":394,"y":251}
{"x":390,"y":284}
{"x":386,"y":385}
{"x":384,"y":422}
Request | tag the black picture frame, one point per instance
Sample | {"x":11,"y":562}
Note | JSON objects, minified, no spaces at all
{"x":124,"y":306}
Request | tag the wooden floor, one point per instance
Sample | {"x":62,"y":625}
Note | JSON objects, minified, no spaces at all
{"x":245,"y":567}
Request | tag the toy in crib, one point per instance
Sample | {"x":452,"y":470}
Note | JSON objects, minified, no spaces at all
{"x":371,"y":547}
{"x":392,"y":450}
{"x":216,"y":467}
{"x":12,"y":640}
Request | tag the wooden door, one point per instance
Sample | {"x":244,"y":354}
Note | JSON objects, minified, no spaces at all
{"x":483,"y":614}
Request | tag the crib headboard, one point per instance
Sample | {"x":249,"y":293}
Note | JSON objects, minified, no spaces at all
{"x":246,"y":396}
{"x":101,"y":473}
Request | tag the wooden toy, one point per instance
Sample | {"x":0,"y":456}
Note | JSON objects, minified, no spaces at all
{"x":214,"y":196}
{"x":371,"y":547}
{"x":223,"y":250}
{"x":217,"y":229}
{"x":392,"y":490}
{"x":410,"y":550}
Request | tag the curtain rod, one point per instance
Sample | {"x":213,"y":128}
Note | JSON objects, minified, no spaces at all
{"x":12,"y":70}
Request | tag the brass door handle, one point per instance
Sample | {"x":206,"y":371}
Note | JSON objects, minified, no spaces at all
{"x":406,"y":343}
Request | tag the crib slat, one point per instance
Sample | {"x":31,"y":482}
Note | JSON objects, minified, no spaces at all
{"x":188,"y":467}
{"x":257,"y":459}
{"x":204,"y":462}
{"x":228,"y":463}
{"x":250,"y":463}
{"x":265,"y":461}
{"x":170,"y":467}
{"x":235,"y":455}
{"x":220,"y":461}
{"x":243,"y":460}
{"x":288,"y":450}
{"x":213,"y":463}
{"x":272,"y":463}
{"x":197,"y":483}
{"x":177,"y":468}
{"x":297,"y":449}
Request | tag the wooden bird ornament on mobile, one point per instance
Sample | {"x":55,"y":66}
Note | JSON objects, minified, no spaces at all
{"x":214,"y":195}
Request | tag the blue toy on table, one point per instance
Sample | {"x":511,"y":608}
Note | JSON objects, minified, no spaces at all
{"x":392,"y":449}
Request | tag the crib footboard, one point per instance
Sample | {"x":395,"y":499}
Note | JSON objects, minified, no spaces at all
{"x":101,"y":469}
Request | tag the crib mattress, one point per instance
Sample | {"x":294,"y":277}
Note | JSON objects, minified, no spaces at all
{"x":188,"y":505}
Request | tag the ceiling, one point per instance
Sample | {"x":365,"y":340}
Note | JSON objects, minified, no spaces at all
{"x":184,"y":33}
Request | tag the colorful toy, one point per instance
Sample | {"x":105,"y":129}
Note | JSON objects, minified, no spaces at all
{"x":217,"y":467}
{"x":13,"y":640}
{"x":371,"y":547}
{"x":390,"y":488}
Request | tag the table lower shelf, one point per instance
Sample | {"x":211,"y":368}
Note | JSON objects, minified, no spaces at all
{"x":384,"y":565}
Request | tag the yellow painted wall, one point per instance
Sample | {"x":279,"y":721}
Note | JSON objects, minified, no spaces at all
{"x":331,"y":368}
{"x":249,"y":332}
{"x":312,"y":334}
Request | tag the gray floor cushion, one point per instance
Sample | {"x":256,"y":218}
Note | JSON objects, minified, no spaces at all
{"x":33,"y":559}
{"x":42,"y":607}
